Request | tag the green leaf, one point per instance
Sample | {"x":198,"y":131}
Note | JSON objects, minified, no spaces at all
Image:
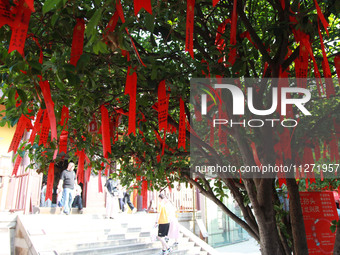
{"x":50,"y":5}
{"x":22,"y":95}
{"x":91,"y":26}
{"x":83,"y":61}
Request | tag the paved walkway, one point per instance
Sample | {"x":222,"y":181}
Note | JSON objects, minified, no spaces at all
{"x":249,"y":247}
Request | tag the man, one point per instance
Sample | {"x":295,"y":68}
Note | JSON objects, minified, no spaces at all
{"x":112,"y":206}
{"x":78,"y":202}
{"x":66,"y":183}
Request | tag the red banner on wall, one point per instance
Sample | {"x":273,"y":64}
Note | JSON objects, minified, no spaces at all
{"x":319,"y":210}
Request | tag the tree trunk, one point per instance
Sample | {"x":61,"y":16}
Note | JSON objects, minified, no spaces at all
{"x":296,"y":219}
{"x":260,"y":196}
{"x":336,"y":250}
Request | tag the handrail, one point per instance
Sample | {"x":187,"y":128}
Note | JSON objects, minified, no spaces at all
{"x":206,"y":247}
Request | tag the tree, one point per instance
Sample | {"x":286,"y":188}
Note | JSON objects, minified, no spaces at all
{"x":95,"y":81}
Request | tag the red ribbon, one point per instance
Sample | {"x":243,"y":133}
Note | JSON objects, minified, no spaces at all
{"x":63,"y":141}
{"x":144,"y":194}
{"x":214,"y":2}
{"x":334,"y":150}
{"x":80,"y":169}
{"x":100,"y":186}
{"x":22,"y":124}
{"x":317,"y":151}
{"x":6,"y":16}
{"x":139,"y":4}
{"x":45,"y":88}
{"x":50,"y":180}
{"x":308,"y":160}
{"x":337,"y":65}
{"x":232,"y":51}
{"x":321,"y":17}
{"x":16,"y":165}
{"x":163,"y":103}
{"x":105,"y":128}
{"x":131,"y":89}
{"x":45,"y":129}
{"x":77,"y":42}
{"x":189,"y":39}
{"x":64,"y":116}
{"x":19,"y":28}
{"x":182,"y":127}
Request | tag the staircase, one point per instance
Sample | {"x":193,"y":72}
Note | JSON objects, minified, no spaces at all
{"x":86,"y":234}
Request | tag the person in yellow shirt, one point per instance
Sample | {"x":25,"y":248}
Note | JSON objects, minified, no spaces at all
{"x":163,"y":224}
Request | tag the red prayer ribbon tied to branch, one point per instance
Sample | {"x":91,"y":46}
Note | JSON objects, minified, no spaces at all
{"x":105,"y":128}
{"x":215,"y":2}
{"x":182,"y":126}
{"x":232,"y":50}
{"x":100,"y":185}
{"x":189,"y":39}
{"x":20,"y":27}
{"x":131,"y":89}
{"x":80,"y":169}
{"x":139,"y":4}
{"x":163,"y":103}
{"x":50,"y":180}
{"x":23,"y":123}
{"x":16,"y":165}
{"x":337,"y":65}
{"x":77,"y":42}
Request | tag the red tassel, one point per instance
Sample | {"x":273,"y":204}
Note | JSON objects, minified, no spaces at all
{"x":131,"y":89}
{"x":163,"y":102}
{"x":77,"y":42}
{"x":189,"y":39}
{"x":19,"y":28}
{"x":139,"y":4}
{"x":50,"y":180}
{"x":182,"y":128}
{"x":100,"y":185}
{"x":105,"y":128}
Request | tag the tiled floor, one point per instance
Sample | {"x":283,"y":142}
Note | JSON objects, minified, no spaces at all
{"x":249,"y":247}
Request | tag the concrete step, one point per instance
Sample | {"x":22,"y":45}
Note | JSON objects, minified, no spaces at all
{"x":132,"y":248}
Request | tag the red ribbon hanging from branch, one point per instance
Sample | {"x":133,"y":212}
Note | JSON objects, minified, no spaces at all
{"x":77,"y":42}
{"x":139,"y":4}
{"x":81,"y":162}
{"x":131,"y":89}
{"x":45,"y":129}
{"x":6,"y":16}
{"x":182,"y":127}
{"x":232,"y":51}
{"x":337,"y":65}
{"x":19,"y":28}
{"x":50,"y":180}
{"x":45,"y":88}
{"x":321,"y":17}
{"x":256,"y":157}
{"x":144,"y":193}
{"x":189,"y":39}
{"x":22,"y":124}
{"x":100,"y":185}
{"x":16,"y":165}
{"x":214,"y":2}
{"x":105,"y":128}
{"x":163,"y":103}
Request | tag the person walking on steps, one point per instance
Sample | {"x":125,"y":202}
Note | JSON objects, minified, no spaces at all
{"x":66,"y":182}
{"x":112,"y":205}
{"x":163,"y":224}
